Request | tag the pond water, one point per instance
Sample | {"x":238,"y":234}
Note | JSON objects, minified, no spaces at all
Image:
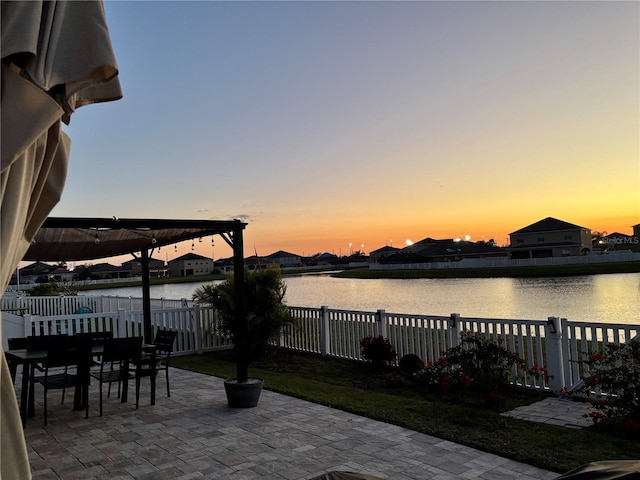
{"x":612,"y":298}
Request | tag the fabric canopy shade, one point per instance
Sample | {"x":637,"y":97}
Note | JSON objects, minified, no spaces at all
{"x":56,"y":57}
{"x":73,"y":239}
{"x":70,"y":239}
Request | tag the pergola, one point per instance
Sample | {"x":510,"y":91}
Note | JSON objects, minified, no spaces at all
{"x":63,"y":239}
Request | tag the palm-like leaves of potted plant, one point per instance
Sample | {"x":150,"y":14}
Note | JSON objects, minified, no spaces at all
{"x":265,"y":314}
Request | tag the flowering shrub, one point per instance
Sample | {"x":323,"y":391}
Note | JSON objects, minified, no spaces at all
{"x":537,"y":372}
{"x":488,"y":363}
{"x":378,"y":351}
{"x":477,"y":362}
{"x":441,"y":376}
{"x":612,"y":384}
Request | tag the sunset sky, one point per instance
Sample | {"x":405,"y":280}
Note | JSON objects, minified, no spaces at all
{"x":328,"y":123}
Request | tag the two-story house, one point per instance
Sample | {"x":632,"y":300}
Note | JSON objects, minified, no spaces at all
{"x":550,"y":237}
{"x":190,"y":264}
{"x":284,"y":259}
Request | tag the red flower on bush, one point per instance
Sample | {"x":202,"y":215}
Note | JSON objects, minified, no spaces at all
{"x":594,"y":416}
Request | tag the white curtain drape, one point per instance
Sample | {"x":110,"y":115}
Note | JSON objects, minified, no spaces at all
{"x":56,"y":57}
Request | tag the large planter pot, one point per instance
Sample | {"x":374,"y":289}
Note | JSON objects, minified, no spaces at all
{"x":243,"y":394}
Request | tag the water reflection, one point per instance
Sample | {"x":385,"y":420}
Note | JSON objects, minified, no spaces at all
{"x":611,"y":298}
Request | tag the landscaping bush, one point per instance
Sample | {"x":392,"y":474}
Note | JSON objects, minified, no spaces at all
{"x":410,"y":364}
{"x":442,"y":377}
{"x":612,"y":384}
{"x":476,"y":362}
{"x":378,"y":351}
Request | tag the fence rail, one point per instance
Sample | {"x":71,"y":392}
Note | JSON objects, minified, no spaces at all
{"x":557,"y":344}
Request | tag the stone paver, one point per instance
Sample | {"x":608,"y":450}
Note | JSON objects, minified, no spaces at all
{"x":555,"y":411}
{"x":194,"y":435}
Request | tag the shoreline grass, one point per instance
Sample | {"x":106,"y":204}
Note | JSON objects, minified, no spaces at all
{"x":351,"y":386}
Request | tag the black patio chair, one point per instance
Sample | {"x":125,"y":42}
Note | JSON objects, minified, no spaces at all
{"x":95,"y":339}
{"x":163,"y":349}
{"x":117,"y":356}
{"x":37,"y":343}
{"x":62,"y":355}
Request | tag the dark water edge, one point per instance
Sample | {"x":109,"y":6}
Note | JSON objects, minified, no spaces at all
{"x":493,"y":272}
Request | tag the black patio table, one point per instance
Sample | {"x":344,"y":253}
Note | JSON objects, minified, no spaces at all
{"x":29,"y":358}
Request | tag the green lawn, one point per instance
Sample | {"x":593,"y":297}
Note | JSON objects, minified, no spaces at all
{"x":354,"y":387}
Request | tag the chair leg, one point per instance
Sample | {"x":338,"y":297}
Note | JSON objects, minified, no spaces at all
{"x":31,"y":401}
{"x":137,"y":391}
{"x":101,"y":397}
{"x":167,"y":376}
{"x":46,"y":407}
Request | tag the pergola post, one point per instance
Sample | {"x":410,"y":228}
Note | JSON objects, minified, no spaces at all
{"x":242,"y":363}
{"x":146,"y":296}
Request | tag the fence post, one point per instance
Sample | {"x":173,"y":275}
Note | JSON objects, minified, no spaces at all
{"x":325,"y":334}
{"x":381,"y":321}
{"x":454,"y":330}
{"x":553,"y":344}
{"x":122,"y":323}
{"x":198,"y":329}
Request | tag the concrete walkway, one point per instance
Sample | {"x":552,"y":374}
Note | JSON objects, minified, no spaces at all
{"x":194,"y":435}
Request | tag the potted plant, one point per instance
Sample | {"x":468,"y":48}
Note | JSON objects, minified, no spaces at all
{"x":251,"y":316}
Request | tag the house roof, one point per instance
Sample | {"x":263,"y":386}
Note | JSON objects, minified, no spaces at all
{"x":134,"y":261}
{"x":385,"y":249}
{"x":449,"y":247}
{"x":548,"y":224}
{"x":35,"y":268}
{"x":72,"y":239}
{"x":189,"y":256}
{"x":281,"y":254}
{"x":104,"y":268}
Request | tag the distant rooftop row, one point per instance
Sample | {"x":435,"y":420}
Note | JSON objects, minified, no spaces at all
{"x":546,"y":238}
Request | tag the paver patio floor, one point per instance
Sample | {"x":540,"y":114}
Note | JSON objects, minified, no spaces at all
{"x":194,"y":434}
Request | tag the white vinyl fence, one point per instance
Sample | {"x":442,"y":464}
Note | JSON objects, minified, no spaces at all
{"x":557,"y":344}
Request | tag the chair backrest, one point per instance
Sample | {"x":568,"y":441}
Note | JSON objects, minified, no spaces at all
{"x":164,"y":340}
{"x":17,"y":343}
{"x":95,"y":338}
{"x":60,"y":352}
{"x":42,"y":342}
{"x":122,"y":350}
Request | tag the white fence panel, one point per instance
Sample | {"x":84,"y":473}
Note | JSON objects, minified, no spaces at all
{"x":421,"y":335}
{"x":73,"y":324}
{"x":581,"y":340}
{"x":306,"y":334}
{"x":347,"y":328}
{"x":560,"y":346}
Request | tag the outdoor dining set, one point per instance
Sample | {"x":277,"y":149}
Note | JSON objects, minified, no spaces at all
{"x":63,"y":361}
